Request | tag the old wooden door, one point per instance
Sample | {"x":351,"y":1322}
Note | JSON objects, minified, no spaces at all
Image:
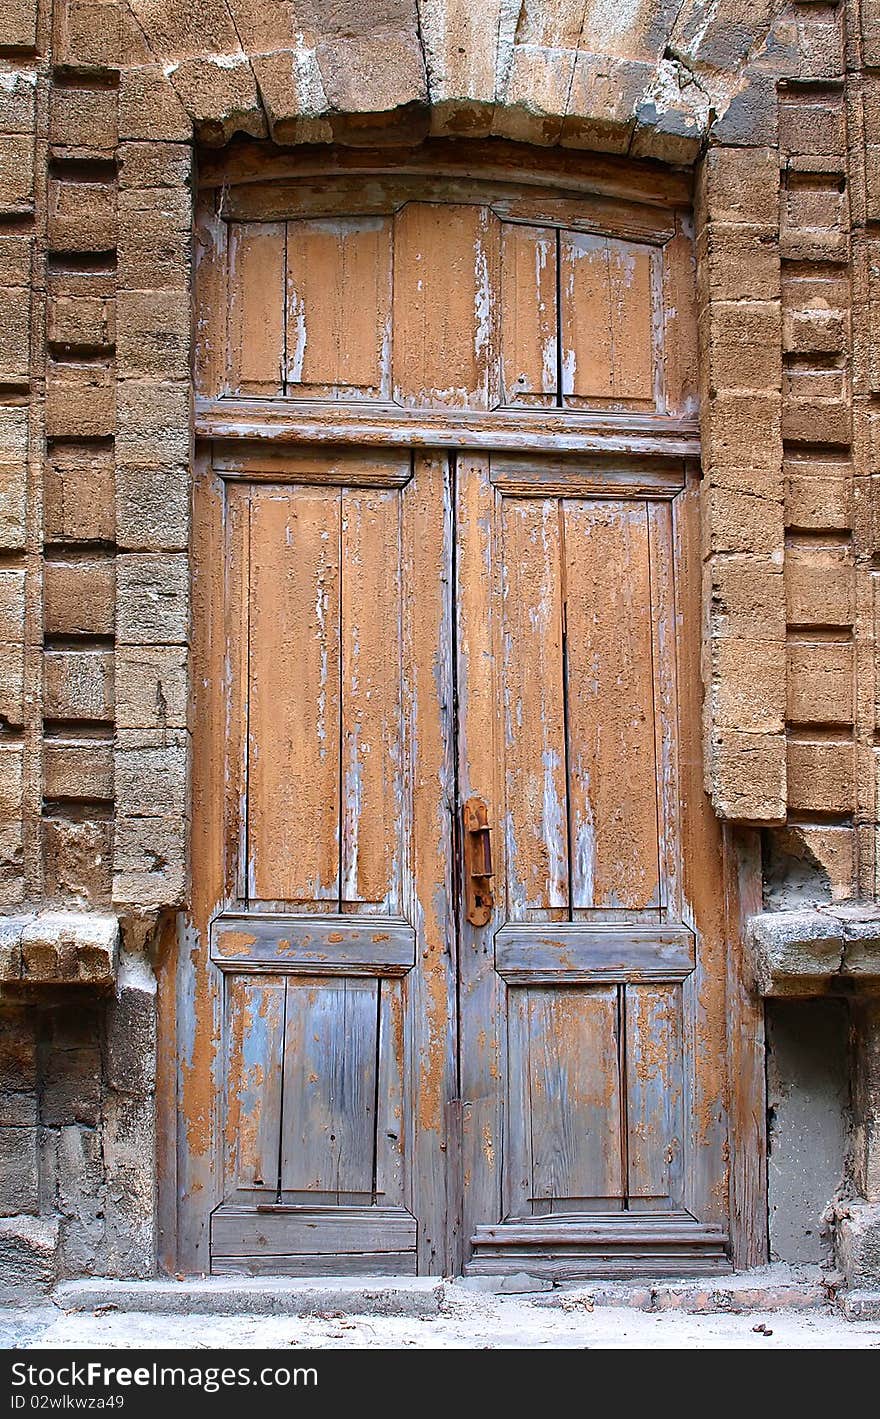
{"x":446,"y":590}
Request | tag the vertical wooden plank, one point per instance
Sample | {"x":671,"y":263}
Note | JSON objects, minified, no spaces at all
{"x":254,"y":1047}
{"x":535,"y":810}
{"x":339,"y":307}
{"x":528,"y":314}
{"x":612,"y":766}
{"x":198,"y":1004}
{"x":679,"y":352}
{"x":372,"y":785}
{"x":328,"y":1132}
{"x":293,"y":722}
{"x":704,"y":993}
{"x":518,"y":1179}
{"x":607,"y":320}
{"x":256,"y":308}
{"x":210,"y":260}
{"x":428,"y":699}
{"x":446,"y":261}
{"x":666,"y":729}
{"x":480,"y":773}
{"x":746,"y":1058}
{"x":391,"y":1122}
{"x":574,"y":1092}
{"x":236,"y":570}
{"x":584,"y":324}
{"x":654,"y":1095}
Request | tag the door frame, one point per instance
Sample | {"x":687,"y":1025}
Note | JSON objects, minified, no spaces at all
{"x":263,"y":424}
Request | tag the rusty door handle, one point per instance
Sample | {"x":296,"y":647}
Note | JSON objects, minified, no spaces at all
{"x":479,"y":896}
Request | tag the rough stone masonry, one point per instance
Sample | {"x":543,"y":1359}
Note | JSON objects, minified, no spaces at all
{"x":776,"y":104}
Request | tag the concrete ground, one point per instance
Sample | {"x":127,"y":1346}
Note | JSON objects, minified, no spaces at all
{"x":778,"y":1312}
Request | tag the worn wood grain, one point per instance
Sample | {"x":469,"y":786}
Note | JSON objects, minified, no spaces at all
{"x":535,"y":808}
{"x":243,"y":1232}
{"x":338,"y":307}
{"x":294,"y":696}
{"x":256,"y":317}
{"x":321,"y":466}
{"x":445,"y":278}
{"x":528,"y":315}
{"x":371,"y":745}
{"x":538,"y":475}
{"x":654,"y":1094}
{"x":610,"y":697}
{"x":329,"y":1121}
{"x":607,"y":320}
{"x":568,"y":953}
{"x":254,"y":1050}
{"x":321,"y":944}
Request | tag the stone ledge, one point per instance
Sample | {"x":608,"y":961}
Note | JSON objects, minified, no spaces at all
{"x":28,"y":1258}
{"x":59,"y":948}
{"x":802,"y":953}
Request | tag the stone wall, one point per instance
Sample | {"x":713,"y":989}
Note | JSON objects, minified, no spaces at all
{"x":776,"y":102}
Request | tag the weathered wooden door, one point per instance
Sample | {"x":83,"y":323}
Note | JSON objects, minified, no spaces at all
{"x":447,"y":608}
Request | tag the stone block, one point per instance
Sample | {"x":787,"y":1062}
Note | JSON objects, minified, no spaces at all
{"x":154,"y":424}
{"x":148,"y":165}
{"x":20,"y":24}
{"x":814,"y":330}
{"x":817,"y":495}
{"x":79,"y":597}
{"x":71,"y":1090}
{"x":80,"y":400}
{"x":11,"y":603}
{"x":82,"y":215}
{"x":81,"y":1198}
{"x":747,"y":686}
{"x":149,"y":107}
{"x":80,"y":323}
{"x":152,"y":508}
{"x":78,"y":859}
{"x":77,"y":769}
{"x":19,"y":1171}
{"x":741,"y":345}
{"x":743,"y":430}
{"x":149,"y":861}
{"x":292,"y":93}
{"x":83,"y":121}
{"x":16,"y":173}
{"x":78,"y":684}
{"x":70,"y":947}
{"x":746,"y":598}
{"x":13,"y":477}
{"x":153,"y":599}
{"x":79,"y":493}
{"x":737,"y":263}
{"x":820,"y":683}
{"x":220,"y":95}
{"x":129,"y":1140}
{"x":28,"y":1258}
{"x":86,"y":34}
{"x":746,"y":776}
{"x":152,"y":771}
{"x":11,"y":783}
{"x":741,"y":520}
{"x":10,"y":958}
{"x":604,"y":99}
{"x":821,"y":776}
{"x":857,"y":1244}
{"x":155,"y":240}
{"x":739,"y":185}
{"x":816,"y":420}
{"x":18,"y":1039}
{"x":819,"y":586}
{"x":154,"y":336}
{"x":130,"y":1037}
{"x":151,"y":687}
{"x":15,"y":308}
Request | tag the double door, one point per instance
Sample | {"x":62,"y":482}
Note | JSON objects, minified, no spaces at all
{"x":457,"y":973}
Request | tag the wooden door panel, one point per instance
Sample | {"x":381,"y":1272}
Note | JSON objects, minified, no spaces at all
{"x":254,"y":1052}
{"x":338,"y":316}
{"x":255,"y":331}
{"x":529,"y":338}
{"x":564,"y":1108}
{"x":292,"y":809}
{"x":655,"y":1083}
{"x":533,"y":689}
{"x":610,"y":700}
{"x":609,"y":313}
